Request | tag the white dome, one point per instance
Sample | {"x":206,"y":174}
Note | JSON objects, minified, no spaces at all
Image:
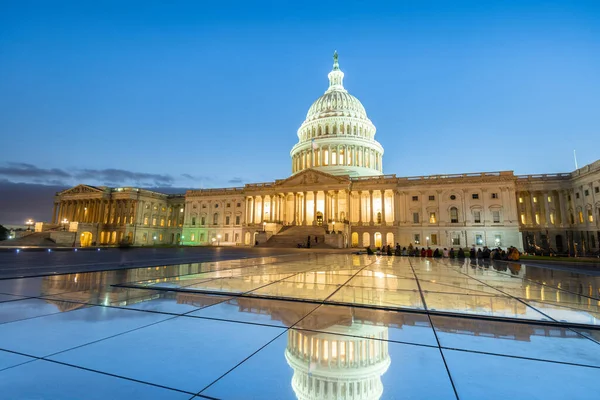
{"x":337,"y":137}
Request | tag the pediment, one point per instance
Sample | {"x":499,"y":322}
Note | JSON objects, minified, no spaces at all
{"x":312,"y":177}
{"x":81,"y":189}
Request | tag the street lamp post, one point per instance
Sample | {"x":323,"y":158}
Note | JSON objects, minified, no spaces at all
{"x":218,"y":240}
{"x":427,"y":238}
{"x":29,"y":224}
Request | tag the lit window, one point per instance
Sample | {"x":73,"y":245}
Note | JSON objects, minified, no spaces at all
{"x":523,"y":219}
{"x":537,"y":218}
{"x":145,"y":220}
{"x":164,"y":209}
{"x":227,"y":237}
{"x":590,"y":216}
{"x":477,"y":217}
{"x":535,"y":199}
{"x":497,"y":240}
{"x":160,"y":237}
{"x":432,"y":219}
{"x":431,"y":198}
{"x":162,"y":222}
{"x":118,"y":220}
{"x":496,"y":217}
{"x":434,"y":239}
{"x":552,"y":218}
{"x":478,"y":240}
{"x":475,"y":196}
{"x":417,"y":238}
{"x":153,"y":221}
{"x":415,"y":218}
{"x":549,"y":199}
{"x":193,"y":237}
{"x":144,"y":237}
{"x":169,"y":222}
{"x":580,"y":217}
{"x":454,"y":215}
{"x":181,"y":210}
{"x":455,"y":239}
{"x":520,"y":200}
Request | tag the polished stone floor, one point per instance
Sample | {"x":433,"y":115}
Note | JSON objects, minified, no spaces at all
{"x":308,"y":326}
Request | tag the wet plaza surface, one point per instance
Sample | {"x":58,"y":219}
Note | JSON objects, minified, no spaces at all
{"x":303,"y":325}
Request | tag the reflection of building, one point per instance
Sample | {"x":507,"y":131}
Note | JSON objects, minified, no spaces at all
{"x":333,"y":365}
{"x":337,"y":185}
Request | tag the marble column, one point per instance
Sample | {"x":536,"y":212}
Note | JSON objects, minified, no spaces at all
{"x":262,"y":209}
{"x":337,"y":205}
{"x":360,"y":207}
{"x":304,"y":208}
{"x":295,"y":212}
{"x":371,"y":221}
{"x":383,"y":220}
{"x":314,"y":208}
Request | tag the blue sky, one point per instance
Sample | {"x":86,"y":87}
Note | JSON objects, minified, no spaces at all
{"x":209,"y":94}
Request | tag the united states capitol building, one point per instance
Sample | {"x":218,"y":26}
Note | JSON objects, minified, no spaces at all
{"x":338,"y":195}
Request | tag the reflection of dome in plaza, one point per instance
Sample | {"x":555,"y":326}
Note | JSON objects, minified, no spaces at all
{"x":337,"y":137}
{"x":332,"y":366}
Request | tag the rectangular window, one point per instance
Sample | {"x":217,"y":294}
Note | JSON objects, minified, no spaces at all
{"x":494,"y":195}
{"x":597,"y":189}
{"x":145,"y":220}
{"x":118,"y":220}
{"x":169,"y":222}
{"x":434,"y":241}
{"x":144,"y":237}
{"x":496,"y":217}
{"x":569,"y":197}
{"x":475,"y":196}
{"x":237,"y":219}
{"x":415,"y":198}
{"x":549,"y":199}
{"x":162,"y":222}
{"x":520,"y":200}
{"x":477,"y":217}
{"x":228,"y":205}
{"x":552,"y":218}
{"x":498,"y":240}
{"x":580,"y":217}
{"x":227,"y":220}
{"x":576,"y":195}
{"x":455,"y":239}
{"x":203,"y":221}
{"x":160,"y":237}
{"x":238,"y":205}
{"x":590,"y":216}
{"x":237,"y":237}
{"x":523,"y":219}
{"x":431,"y":198}
{"x":572,"y":219}
{"x":479,"y":240}
{"x":454,"y":215}
{"x":227,"y":237}
{"x":537,"y":218}
{"x":193,"y":237}
{"x":415,"y":218}
{"x":587,"y":192}
{"x":432,"y":219}
{"x":202,"y":237}
{"x":154,"y":221}
{"x":535,"y":199}
{"x":417,"y":238}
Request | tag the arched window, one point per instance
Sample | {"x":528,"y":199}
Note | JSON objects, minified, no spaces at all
{"x":215,"y":218}
{"x":453,"y":215}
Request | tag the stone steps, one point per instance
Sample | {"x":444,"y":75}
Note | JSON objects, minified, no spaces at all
{"x":293,"y":236}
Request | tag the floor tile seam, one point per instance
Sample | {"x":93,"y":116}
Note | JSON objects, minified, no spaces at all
{"x":511,"y":296}
{"x":206,"y":272}
{"x":559,"y":304}
{"x":232,"y":321}
{"x":117,"y":268}
{"x":541,"y":284}
{"x":544,"y":314}
{"x":44,"y":315}
{"x":369,"y":338}
{"x":458,"y":287}
{"x":46,"y":357}
{"x":487,"y":353}
{"x":348,"y":280}
{"x":256,"y":352}
{"x":243,"y":361}
{"x":115,"y":376}
{"x":437,"y":339}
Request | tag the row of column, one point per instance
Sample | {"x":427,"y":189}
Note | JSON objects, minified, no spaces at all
{"x":371,"y":214}
{"x":357,"y":156}
{"x":94,"y":211}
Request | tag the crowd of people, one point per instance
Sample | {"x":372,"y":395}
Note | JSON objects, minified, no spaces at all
{"x":510,"y":254}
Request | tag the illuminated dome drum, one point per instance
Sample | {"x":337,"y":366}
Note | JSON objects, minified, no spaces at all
{"x":337,"y":137}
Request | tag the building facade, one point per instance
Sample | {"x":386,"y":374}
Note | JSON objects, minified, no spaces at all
{"x":337,"y":187}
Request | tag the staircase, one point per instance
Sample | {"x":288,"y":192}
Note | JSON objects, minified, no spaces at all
{"x":41,"y":239}
{"x":291,"y":236}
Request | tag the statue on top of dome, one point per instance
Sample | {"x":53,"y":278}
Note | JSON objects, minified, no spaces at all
{"x":335,"y":60}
